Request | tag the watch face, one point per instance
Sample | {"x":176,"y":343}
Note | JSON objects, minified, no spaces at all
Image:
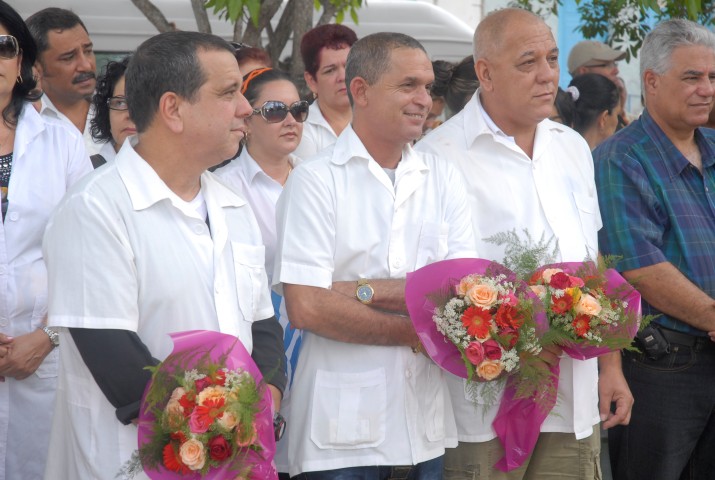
{"x":364,"y":293}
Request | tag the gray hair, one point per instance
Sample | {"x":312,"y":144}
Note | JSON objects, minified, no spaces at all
{"x":369,"y":57}
{"x":167,"y":62}
{"x":659,"y":44}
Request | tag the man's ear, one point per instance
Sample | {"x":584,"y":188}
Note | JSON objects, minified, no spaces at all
{"x":483,"y":70}
{"x":358,"y":90}
{"x":172,"y":111}
{"x":650,"y":81}
{"x":40,"y":70}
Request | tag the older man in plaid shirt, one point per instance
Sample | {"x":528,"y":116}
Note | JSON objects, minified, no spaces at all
{"x":656,"y":186}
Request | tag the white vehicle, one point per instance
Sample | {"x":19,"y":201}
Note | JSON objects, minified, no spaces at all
{"x":117,"y":26}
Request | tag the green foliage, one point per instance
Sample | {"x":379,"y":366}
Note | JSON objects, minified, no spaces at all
{"x":621,"y":23}
{"x":525,"y":256}
{"x":238,"y":10}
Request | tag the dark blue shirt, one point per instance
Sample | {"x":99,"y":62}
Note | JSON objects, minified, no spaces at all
{"x":657,"y":207}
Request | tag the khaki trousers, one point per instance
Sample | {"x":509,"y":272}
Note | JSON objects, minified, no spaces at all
{"x":556,"y":456}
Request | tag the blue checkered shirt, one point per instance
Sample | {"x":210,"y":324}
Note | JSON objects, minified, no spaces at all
{"x":657,"y":207}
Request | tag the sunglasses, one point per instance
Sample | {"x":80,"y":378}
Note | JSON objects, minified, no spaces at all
{"x":9,"y":48}
{"x":118,"y":103}
{"x":273,"y":111}
{"x":238,"y":46}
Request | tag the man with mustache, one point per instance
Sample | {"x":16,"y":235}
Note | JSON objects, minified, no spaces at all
{"x":524,"y":172}
{"x":66,"y":67}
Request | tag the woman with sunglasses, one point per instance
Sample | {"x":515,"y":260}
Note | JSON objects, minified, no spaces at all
{"x":260,"y":171}
{"x":39,"y":159}
{"x":325,"y":51}
{"x":111,"y":123}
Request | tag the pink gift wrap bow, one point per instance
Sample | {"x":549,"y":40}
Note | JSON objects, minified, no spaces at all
{"x":518,"y":420}
{"x":219,"y":344}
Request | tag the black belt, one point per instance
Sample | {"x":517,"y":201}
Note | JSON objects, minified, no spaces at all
{"x":685,"y":339}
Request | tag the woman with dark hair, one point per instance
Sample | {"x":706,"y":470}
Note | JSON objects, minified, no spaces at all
{"x":564,"y":107}
{"x":273,"y":133}
{"x":461,"y":85}
{"x":111,"y":123}
{"x":325,"y":51}
{"x":39,"y":159}
{"x":595,"y":102}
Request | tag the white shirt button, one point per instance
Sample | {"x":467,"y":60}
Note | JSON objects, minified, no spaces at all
{"x":14,"y":216}
{"x":408,"y":373}
{"x":199,"y":228}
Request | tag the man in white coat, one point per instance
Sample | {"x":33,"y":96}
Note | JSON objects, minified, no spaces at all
{"x":351,"y":223}
{"x":154,"y":244}
{"x":525,"y":172}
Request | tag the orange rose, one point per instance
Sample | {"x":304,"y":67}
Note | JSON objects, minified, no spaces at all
{"x":227,"y":420}
{"x":464,"y":285}
{"x":490,"y":369}
{"x":539,"y":290}
{"x":588,"y":305}
{"x":483,"y":295}
{"x":214,"y":392}
{"x":192,"y":454}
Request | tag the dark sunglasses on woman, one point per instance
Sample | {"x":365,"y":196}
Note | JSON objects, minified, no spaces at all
{"x":274,"y":111}
{"x":9,"y":48}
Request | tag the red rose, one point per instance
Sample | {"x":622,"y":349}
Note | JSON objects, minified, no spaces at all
{"x":576,"y":282}
{"x":492,"y":350}
{"x":202,"y":383}
{"x":560,"y":281}
{"x":561,"y":304}
{"x":582,"y":325}
{"x":508,"y":316}
{"x":536,"y":278}
{"x":511,"y":336}
{"x":477,"y":321}
{"x":219,"y":448}
{"x":474,"y":353}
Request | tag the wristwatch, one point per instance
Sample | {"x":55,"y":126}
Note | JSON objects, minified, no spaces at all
{"x":279,"y":425}
{"x":364,"y":291}
{"x":54,"y":336}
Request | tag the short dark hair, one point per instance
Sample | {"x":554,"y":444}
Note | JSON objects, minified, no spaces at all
{"x":23,"y":91}
{"x":565,"y":106}
{"x":370,"y":56}
{"x":101,"y":128}
{"x":167,"y":62}
{"x":596,"y":95}
{"x":331,"y":36}
{"x":455,"y":83}
{"x":254,"y":86}
{"x":52,"y":18}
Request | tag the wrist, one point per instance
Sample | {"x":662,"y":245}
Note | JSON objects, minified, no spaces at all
{"x":52,"y":335}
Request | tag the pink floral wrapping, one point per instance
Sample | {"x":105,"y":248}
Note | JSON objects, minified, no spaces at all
{"x":518,"y":420}
{"x":219,"y":344}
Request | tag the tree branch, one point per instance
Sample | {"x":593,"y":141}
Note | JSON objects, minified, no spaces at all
{"x":154,"y":15}
{"x":329,"y":12}
{"x":202,"y":18}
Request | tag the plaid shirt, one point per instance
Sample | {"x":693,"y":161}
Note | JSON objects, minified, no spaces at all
{"x":657,"y":207}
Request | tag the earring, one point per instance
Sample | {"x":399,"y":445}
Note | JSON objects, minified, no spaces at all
{"x":315,"y":95}
{"x":19,"y":79}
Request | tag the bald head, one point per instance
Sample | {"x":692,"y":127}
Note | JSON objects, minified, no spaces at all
{"x":490,"y":33}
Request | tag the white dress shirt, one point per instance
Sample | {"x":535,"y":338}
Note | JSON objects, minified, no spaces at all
{"x":48,"y":157}
{"x":339,"y":219}
{"x":317,"y":134}
{"x":124,"y":252}
{"x":48,"y":109}
{"x":554,"y":194}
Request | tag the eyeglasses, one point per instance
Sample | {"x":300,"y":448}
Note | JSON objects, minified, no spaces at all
{"x":9,"y":48}
{"x":118,"y":103}
{"x":273,"y":111}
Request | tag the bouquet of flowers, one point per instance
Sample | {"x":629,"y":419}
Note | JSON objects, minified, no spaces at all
{"x":477,"y":321}
{"x":592,"y":310}
{"x":206,"y":413}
